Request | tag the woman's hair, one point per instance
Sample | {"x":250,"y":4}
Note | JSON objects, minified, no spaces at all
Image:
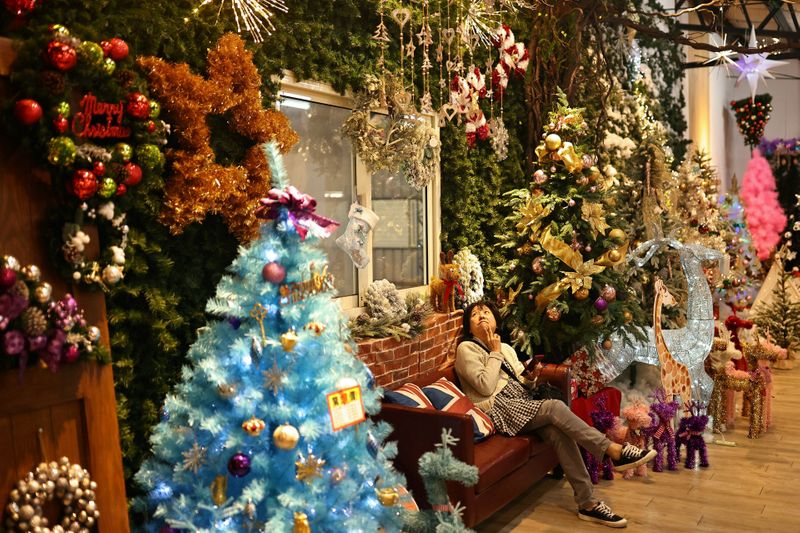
{"x":466,"y":333}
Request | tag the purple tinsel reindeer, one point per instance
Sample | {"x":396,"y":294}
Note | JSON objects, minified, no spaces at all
{"x":603,"y":421}
{"x":690,"y":434}
{"x":661,"y":432}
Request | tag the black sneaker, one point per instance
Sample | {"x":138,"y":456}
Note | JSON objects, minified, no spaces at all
{"x":602,"y":514}
{"x":631,"y":457}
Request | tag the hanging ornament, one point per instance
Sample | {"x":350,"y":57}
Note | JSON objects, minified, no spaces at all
{"x":61,"y":55}
{"x":254,"y":426}
{"x":194,"y":458}
{"x":598,"y":320}
{"x":539,"y":177}
{"x":20,"y":8}
{"x":289,"y":341}
{"x":138,"y":106}
{"x":608,"y":344}
{"x":627,"y":316}
{"x":121,"y":153}
{"x":609,"y":293}
{"x":43,"y":293}
{"x":9,"y":261}
{"x":273,"y":378}
{"x":617,"y":235}
{"x":112,"y":274}
{"x":286,"y":437}
{"x":552,"y":142}
{"x":388,"y":496}
{"x":308,"y":467}
{"x":582,"y":293}
{"x":601,"y":304}
{"x":107,"y":187}
{"x":274,"y":272}
{"x":553,"y":314}
{"x":226,"y":391}
{"x":118,"y":49}
{"x":131,"y":174}
{"x":28,"y":112}
{"x":7,"y":278}
{"x":90,"y":54}
{"x":84,"y":184}
{"x":239,"y":465}
{"x":301,"y":524}
{"x":60,"y":124}
{"x":499,"y":136}
{"x":752,"y":116}
{"x":754,"y":67}
{"x":109,"y":66}
{"x":31,"y":273}
{"x":615,"y":255}
{"x":219,"y":490}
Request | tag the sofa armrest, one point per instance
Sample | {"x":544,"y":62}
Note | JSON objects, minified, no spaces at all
{"x":417,"y":431}
{"x":558,"y":376}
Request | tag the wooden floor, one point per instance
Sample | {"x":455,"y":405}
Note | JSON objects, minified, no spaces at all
{"x":754,"y":486}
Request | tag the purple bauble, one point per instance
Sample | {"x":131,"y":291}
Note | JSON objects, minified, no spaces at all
{"x":274,"y":272}
{"x":71,"y":354}
{"x":13,"y":342}
{"x":235,"y":322}
{"x":239,"y":465}
{"x":601,"y":304}
{"x":37,"y":343}
{"x":7,"y":278}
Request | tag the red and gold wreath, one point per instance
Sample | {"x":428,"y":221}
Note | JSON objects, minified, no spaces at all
{"x":198,"y":184}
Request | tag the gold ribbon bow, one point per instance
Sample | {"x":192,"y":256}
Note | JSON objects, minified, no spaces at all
{"x":565,"y":153}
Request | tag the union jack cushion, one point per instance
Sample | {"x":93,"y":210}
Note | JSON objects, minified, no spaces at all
{"x":445,"y":396}
{"x":409,"y":395}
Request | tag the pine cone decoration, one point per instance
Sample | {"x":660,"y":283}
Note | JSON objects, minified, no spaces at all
{"x":21,"y":289}
{"x":53,"y":82}
{"x":34,"y":322}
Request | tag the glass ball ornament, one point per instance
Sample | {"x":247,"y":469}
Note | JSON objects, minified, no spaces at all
{"x":552,"y":142}
{"x":138,"y":106}
{"x":582,"y":293}
{"x":93,"y":333}
{"x":71,"y":354}
{"x":131,"y":174}
{"x":112,"y":274}
{"x":61,"y":56}
{"x":149,"y":156}
{"x":601,"y":304}
{"x":617,"y":235}
{"x":609,"y":293}
{"x":598,"y":320}
{"x":43,"y":292}
{"x":553,"y":314}
{"x":155,"y":109}
{"x":608,"y":344}
{"x":107,"y":188}
{"x":537,"y":266}
{"x":539,"y":177}
{"x":239,"y":465}
{"x":61,"y":151}
{"x":285,"y":436}
{"x":84,"y":184}
{"x":614,"y":255}
{"x":31,"y":273}
{"x":90,"y":54}
{"x":273,"y":272}
{"x":28,"y":112}
{"x":121,"y":153}
{"x":118,"y":49}
{"x":109,"y":66}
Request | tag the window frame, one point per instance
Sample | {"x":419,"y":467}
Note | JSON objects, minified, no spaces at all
{"x":323,"y":93}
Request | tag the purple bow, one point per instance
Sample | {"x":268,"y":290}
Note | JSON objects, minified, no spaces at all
{"x":300,"y":208}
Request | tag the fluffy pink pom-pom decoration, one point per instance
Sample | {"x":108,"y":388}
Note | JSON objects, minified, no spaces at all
{"x":763,"y":213}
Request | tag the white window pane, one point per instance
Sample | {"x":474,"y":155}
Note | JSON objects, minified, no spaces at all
{"x":398,"y":244}
{"x":322,"y":164}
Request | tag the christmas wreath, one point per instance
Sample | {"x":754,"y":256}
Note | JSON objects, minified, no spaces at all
{"x":85,"y":112}
{"x":402,"y":140}
{"x":61,"y":481}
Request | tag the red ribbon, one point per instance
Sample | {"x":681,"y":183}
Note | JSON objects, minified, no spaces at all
{"x":448,"y":288}
{"x":662,"y":428}
{"x":300,"y":209}
{"x":443,"y":507}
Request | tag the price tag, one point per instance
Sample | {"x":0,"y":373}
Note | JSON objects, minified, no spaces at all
{"x":346,"y":407}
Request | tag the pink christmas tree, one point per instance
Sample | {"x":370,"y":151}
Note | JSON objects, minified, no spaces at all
{"x":764,"y":215}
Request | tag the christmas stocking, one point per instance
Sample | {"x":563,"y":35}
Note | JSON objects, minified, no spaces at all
{"x":354,"y":239}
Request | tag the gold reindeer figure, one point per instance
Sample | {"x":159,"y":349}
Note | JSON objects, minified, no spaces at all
{"x":443,"y":288}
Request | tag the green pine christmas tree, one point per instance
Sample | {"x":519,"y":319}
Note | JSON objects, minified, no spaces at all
{"x":780,"y":317}
{"x":564,"y":277}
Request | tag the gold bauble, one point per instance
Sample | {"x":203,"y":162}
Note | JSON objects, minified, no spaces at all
{"x":617,"y":235}
{"x":607,"y":344}
{"x":525,"y":249}
{"x":627,"y":316}
{"x":219,"y":489}
{"x":289,"y":340}
{"x":32,"y":273}
{"x":552,"y":142}
{"x":388,"y":496}
{"x":582,"y":293}
{"x":43,"y":292}
{"x":254,"y":426}
{"x":598,"y":319}
{"x":614,"y":255}
{"x":9,"y":261}
{"x":553,"y":314}
{"x":285,"y":436}
{"x":301,"y":524}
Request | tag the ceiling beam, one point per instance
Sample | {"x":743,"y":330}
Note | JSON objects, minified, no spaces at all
{"x":700,"y":64}
{"x":733,"y":30}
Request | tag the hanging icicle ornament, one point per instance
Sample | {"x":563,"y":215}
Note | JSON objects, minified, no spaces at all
{"x":254,"y":16}
{"x":499,"y":135}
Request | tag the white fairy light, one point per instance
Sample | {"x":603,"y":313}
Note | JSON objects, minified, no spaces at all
{"x":254,"y":16}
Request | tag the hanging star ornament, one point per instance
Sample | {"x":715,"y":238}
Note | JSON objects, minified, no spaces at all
{"x":308,"y":468}
{"x":722,"y":58}
{"x":254,"y":16}
{"x":273,"y":378}
{"x":194,"y":458}
{"x":754,"y":67}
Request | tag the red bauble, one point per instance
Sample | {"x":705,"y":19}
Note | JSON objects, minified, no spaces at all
{"x":106,"y":46}
{"x":7,"y":277}
{"x":27,"y":111}
{"x":61,"y":55}
{"x":131,"y":174}
{"x":84,"y":184}
{"x":121,"y":189}
{"x":138,"y":106}
{"x":71,"y":354}
{"x":119,"y":49}
{"x":60,"y":124}
{"x":99,"y":168}
{"x":273,"y":272}
{"x":151,"y":126}
{"x":20,"y":7}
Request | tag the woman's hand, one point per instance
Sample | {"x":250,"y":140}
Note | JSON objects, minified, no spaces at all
{"x":492,"y":338}
{"x":533,"y":375}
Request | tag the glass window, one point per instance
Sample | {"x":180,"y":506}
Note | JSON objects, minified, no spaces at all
{"x":398,"y":243}
{"x":322,"y":164}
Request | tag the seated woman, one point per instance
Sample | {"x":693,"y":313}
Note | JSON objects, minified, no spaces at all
{"x":492,"y":377}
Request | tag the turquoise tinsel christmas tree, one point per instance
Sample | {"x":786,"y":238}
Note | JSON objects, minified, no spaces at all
{"x":279,"y":349}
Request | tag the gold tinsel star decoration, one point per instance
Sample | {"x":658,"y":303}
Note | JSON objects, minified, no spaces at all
{"x":194,"y":458}
{"x":308,"y":468}
{"x":273,"y":378}
{"x":199,"y":185}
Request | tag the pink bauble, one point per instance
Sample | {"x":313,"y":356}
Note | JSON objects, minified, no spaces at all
{"x":274,"y":272}
{"x":71,"y":354}
{"x":7,"y":278}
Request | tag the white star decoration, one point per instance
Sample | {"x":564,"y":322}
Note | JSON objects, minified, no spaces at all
{"x":754,"y":67}
{"x":724,"y":57}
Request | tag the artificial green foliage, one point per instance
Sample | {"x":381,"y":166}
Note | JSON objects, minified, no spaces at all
{"x":407,"y":324}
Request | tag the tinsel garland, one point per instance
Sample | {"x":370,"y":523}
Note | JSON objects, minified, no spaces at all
{"x":198,"y":185}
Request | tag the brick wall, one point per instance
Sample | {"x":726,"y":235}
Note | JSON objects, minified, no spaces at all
{"x":396,"y":362}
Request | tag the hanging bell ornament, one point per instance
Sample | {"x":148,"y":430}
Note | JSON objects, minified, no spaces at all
{"x":388,"y":496}
{"x":43,"y":292}
{"x":254,"y":426}
{"x":552,"y":142}
{"x":219,"y":489}
{"x":289,"y":341}
{"x":301,"y":524}
{"x":286,"y":437}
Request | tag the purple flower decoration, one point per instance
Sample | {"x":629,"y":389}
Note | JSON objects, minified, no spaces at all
{"x":13,"y":342}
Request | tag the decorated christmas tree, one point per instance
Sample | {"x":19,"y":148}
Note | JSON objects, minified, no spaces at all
{"x":752,"y":116}
{"x":266,"y":431}
{"x":565,"y":288}
{"x":697,"y":204}
{"x":780,"y":316}
{"x":764,"y":214}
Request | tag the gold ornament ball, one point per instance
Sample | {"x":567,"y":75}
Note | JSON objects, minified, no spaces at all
{"x":627,"y":316}
{"x":289,"y":341}
{"x":43,"y":292}
{"x":32,"y":273}
{"x":9,"y":261}
{"x":615,"y":255}
{"x":617,"y":235}
{"x":582,"y":293}
{"x":598,"y":319}
{"x":285,"y":437}
{"x":388,"y":497}
{"x":607,"y":344}
{"x":552,"y":142}
{"x":553,"y":314}
{"x":301,"y":524}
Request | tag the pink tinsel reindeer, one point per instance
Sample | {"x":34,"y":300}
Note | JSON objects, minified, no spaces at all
{"x":764,"y":215}
{"x":637,"y":419}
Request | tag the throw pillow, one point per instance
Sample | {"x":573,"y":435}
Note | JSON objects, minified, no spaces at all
{"x":409,"y":395}
{"x":445,"y":396}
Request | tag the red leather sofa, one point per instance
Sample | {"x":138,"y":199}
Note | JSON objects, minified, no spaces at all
{"x":507,"y":466}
